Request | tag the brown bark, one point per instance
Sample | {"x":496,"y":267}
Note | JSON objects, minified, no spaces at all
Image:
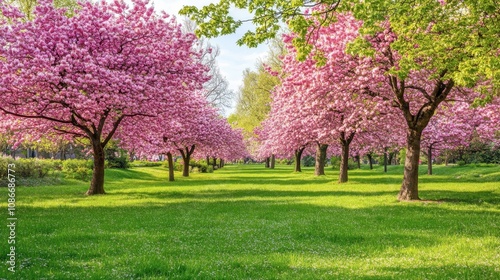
{"x":344,"y":163}
{"x":273,"y":161}
{"x":215,"y":162}
{"x":319,"y":168}
{"x":170,"y":167}
{"x":409,"y":187}
{"x":186,"y":153}
{"x":298,"y":157}
{"x":97,"y":183}
{"x":358,"y":161}
{"x":268,"y":162}
{"x":344,"y":157}
{"x":390,"y":158}
{"x":385,"y":159}
{"x":370,"y":160}
{"x":416,"y":121}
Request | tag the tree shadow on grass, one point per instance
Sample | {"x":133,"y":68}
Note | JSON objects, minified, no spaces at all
{"x":199,"y":234}
{"x":249,"y":193}
{"x":477,"y":198}
{"x":115,"y":174}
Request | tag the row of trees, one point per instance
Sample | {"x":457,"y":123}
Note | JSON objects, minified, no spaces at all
{"x":375,"y":74}
{"x":108,"y":70}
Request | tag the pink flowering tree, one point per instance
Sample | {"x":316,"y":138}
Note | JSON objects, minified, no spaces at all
{"x":196,"y":130}
{"x":416,"y":86}
{"x":86,"y":74}
{"x":451,"y":127}
{"x":326,"y":104}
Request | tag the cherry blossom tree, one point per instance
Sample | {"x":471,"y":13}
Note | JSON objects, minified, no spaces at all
{"x":196,"y":130}
{"x":84,"y":75}
{"x":426,"y":49}
{"x":325,"y":104}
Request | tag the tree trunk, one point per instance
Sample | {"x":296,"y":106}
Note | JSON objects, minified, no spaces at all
{"x":298,"y":157}
{"x":319,"y":168}
{"x":170,"y":167}
{"x":409,"y":187}
{"x":186,"y":157}
{"x":220,"y":163}
{"x":268,"y":161}
{"x":370,"y":160}
{"x":208,"y":160}
{"x":429,"y":160}
{"x":385,"y":159}
{"x":344,"y":162}
{"x":344,"y":157}
{"x":272,"y":161}
{"x":97,"y":183}
{"x":390,"y":158}
{"x":358,"y":161}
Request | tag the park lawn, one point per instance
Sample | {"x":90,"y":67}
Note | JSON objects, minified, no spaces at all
{"x":248,"y":222}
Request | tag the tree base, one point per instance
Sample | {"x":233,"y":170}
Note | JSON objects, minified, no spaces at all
{"x":408,"y":196}
{"x":92,"y":192}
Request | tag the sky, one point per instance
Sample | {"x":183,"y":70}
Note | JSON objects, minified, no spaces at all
{"x":233,"y":59}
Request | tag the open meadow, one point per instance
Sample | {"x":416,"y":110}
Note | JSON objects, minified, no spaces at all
{"x":248,"y":222}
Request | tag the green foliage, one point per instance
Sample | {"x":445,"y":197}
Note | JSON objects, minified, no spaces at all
{"x":308,"y":161}
{"x":459,"y":38}
{"x":147,"y":163}
{"x":79,"y":169}
{"x":178,"y":166}
{"x":117,"y":162}
{"x":201,"y":166}
{"x":335,"y":161}
{"x":26,"y":168}
{"x":402,"y":155}
{"x":351,"y":164}
{"x":254,"y":100}
{"x":286,"y":161}
{"x":481,"y":152}
{"x":116,"y":157}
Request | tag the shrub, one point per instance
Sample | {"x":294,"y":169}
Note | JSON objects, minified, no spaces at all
{"x":201,"y":166}
{"x":335,"y":162}
{"x":79,"y":169}
{"x":117,"y":162}
{"x":178,"y":166}
{"x":308,"y":161}
{"x":461,"y":162}
{"x":27,"y":168}
{"x":286,"y":161}
{"x":4,"y":166}
{"x":351,"y":164}
{"x":147,"y":163}
{"x":210,"y":169}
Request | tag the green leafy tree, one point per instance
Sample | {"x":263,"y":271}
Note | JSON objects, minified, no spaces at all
{"x":254,"y":99}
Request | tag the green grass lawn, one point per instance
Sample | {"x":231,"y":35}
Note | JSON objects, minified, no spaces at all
{"x":248,"y":222}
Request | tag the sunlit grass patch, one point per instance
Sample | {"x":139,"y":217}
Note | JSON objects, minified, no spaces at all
{"x":248,"y":222}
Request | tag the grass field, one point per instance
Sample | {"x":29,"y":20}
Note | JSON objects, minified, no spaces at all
{"x":246,"y":222}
